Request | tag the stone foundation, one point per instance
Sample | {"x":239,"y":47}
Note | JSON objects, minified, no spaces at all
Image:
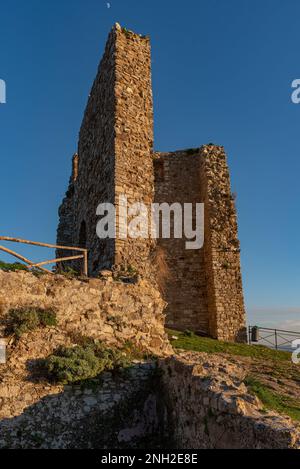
{"x":107,"y":310}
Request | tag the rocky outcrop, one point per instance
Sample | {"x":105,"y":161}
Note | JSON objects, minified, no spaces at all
{"x":103,"y":309}
{"x":113,"y":312}
{"x":121,"y":410}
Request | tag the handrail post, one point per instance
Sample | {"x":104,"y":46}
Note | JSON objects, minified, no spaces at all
{"x":38,"y":265}
{"x":276,"y":341}
{"x":85,"y":263}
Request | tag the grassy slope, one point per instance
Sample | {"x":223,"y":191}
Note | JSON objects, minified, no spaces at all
{"x":189,"y":341}
{"x":271,"y":377}
{"x":272,"y":400}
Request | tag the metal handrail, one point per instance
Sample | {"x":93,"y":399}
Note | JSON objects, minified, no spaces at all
{"x":278,"y":334}
{"x":271,"y":329}
{"x":29,"y":264}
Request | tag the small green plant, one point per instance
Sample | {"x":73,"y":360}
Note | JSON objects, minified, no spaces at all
{"x":131,"y":270}
{"x":80,"y":363}
{"x":134,"y":352}
{"x":69,"y":365}
{"x":68,"y":272}
{"x":24,"y":320}
{"x":126,"y":274}
{"x":127,"y":32}
{"x":37,"y":273}
{"x":225,"y":265}
{"x":189,"y":333}
{"x":47,"y":318}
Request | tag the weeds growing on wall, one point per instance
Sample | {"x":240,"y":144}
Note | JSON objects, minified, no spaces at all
{"x":67,"y":272}
{"x":125,"y":274}
{"x":82,"y":362}
{"x":20,"y":321}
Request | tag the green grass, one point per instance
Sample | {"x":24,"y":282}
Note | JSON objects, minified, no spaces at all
{"x":273,"y":401}
{"x":189,"y":341}
{"x":20,"y":321}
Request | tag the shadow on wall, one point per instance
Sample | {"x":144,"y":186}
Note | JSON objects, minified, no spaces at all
{"x":123,"y":411}
{"x":175,"y":406}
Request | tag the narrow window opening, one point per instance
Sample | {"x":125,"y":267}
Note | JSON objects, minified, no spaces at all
{"x":82,"y":235}
{"x":159,"y":171}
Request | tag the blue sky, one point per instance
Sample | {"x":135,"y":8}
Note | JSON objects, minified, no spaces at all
{"x":222,"y":73}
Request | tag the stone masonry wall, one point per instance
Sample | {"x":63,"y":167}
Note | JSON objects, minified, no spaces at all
{"x":226,"y":308}
{"x":177,"y":179}
{"x":134,"y":138}
{"x":95,"y":182}
{"x":114,"y":151}
{"x":209,"y":407}
{"x":107,"y":310}
{"x":204,"y":289}
{"x":191,"y":401}
{"x":121,"y":412}
{"x":34,"y":412}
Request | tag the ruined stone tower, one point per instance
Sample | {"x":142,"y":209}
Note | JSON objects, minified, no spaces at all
{"x":115,"y":156}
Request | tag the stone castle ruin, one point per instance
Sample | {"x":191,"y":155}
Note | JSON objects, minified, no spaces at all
{"x":115,"y":156}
